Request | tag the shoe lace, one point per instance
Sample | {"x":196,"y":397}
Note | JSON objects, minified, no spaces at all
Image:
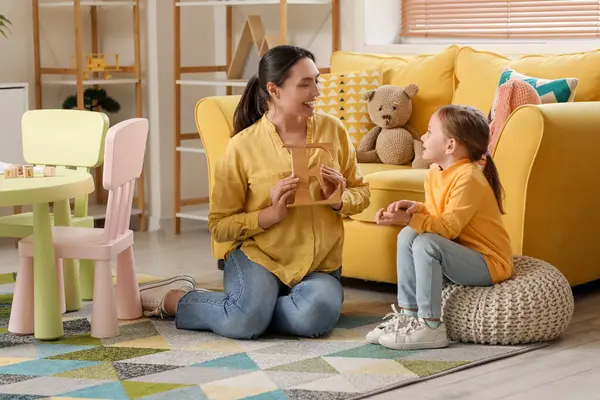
{"x":157,"y":312}
{"x":409,"y":328}
{"x":396,"y":319}
{"x":160,"y":310}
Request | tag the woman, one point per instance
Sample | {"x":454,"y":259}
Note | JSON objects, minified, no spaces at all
{"x":283,"y":269}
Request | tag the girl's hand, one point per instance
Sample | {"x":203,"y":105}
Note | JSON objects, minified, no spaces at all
{"x":331,"y":180}
{"x":408,"y":205}
{"x":384,"y":217}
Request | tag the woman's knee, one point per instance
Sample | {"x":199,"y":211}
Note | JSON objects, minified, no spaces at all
{"x":319,"y":311}
{"x":320,"y":317}
{"x":249,"y":324}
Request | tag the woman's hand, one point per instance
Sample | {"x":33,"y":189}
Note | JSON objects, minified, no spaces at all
{"x":400,"y":217}
{"x":282,"y":194}
{"x":332,"y":179}
{"x":408,"y":205}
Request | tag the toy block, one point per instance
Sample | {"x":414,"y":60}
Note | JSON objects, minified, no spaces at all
{"x":98,"y":63}
{"x":19,"y":171}
{"x":49,"y":171}
{"x":28,"y":171}
{"x":300,"y":169}
{"x":10,"y":173}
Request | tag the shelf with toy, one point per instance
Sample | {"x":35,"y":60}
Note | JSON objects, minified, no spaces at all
{"x":90,"y":82}
{"x":189,"y":149}
{"x":245,"y":2}
{"x":216,"y":82}
{"x":87,"y":3}
{"x":197,"y":212}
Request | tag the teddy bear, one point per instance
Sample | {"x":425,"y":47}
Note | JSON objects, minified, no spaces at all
{"x":391,"y":141}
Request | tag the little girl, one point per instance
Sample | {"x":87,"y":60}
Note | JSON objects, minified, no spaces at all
{"x":457,"y":234}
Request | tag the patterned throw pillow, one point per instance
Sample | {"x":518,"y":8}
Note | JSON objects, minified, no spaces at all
{"x":550,"y":90}
{"x":341,"y":95}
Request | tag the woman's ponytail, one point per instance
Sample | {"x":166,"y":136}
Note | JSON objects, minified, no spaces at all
{"x":491,"y":174}
{"x":251,"y":107}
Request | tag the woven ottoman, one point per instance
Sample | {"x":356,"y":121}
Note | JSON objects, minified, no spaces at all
{"x":535,"y":305}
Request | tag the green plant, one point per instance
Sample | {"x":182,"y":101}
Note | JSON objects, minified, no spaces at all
{"x":94,"y":100}
{"x":4,"y":25}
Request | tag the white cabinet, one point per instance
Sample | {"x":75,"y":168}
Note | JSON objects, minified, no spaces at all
{"x":13,"y":103}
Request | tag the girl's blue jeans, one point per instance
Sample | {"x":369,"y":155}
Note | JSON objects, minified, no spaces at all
{"x":424,"y":261}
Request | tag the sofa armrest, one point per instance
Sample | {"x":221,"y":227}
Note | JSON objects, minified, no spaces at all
{"x":546,"y":159}
{"x":214,"y":121}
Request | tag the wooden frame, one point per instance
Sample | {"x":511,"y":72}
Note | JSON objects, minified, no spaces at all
{"x":77,"y":71}
{"x":253,"y":34}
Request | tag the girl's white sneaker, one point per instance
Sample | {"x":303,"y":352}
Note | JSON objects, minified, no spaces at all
{"x":395,"y":320}
{"x":415,"y":335}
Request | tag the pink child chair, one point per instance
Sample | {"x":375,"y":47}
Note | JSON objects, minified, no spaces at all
{"x":124,"y":151}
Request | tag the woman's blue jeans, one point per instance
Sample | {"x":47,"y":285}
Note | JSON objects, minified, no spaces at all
{"x":255,"y":301}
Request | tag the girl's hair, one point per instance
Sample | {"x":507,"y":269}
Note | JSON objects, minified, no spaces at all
{"x":469,"y":126}
{"x":273,"y":67}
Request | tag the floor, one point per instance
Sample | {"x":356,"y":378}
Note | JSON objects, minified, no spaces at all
{"x":566,"y":369}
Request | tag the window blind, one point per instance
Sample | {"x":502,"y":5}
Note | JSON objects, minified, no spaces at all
{"x":508,"y":19}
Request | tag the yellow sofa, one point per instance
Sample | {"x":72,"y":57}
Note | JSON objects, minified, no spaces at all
{"x":544,"y":155}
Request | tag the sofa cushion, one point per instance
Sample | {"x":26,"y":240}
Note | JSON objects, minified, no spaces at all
{"x":434,"y":74}
{"x":582,"y":65}
{"x":477,"y":74}
{"x":389,"y":186}
{"x":560,"y":90}
{"x":341,"y":96}
{"x":371,"y":168}
{"x":345,"y":61}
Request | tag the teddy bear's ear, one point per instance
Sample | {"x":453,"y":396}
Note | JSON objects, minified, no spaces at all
{"x":411,"y":90}
{"x":368,"y":96}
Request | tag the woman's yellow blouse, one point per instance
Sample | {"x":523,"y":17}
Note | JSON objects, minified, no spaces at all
{"x":310,"y":238}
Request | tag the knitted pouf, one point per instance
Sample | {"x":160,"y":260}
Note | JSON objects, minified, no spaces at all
{"x":535,"y":305}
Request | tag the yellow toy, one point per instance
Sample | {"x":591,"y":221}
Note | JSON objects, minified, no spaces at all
{"x":98,"y":63}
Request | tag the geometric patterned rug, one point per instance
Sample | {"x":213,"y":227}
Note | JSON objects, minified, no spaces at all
{"x":153,"y":360}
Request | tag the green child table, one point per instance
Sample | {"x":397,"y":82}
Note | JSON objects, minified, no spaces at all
{"x":39,"y":191}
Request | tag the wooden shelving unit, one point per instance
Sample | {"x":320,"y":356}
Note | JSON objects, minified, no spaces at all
{"x":253,"y":36}
{"x":75,"y":77}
